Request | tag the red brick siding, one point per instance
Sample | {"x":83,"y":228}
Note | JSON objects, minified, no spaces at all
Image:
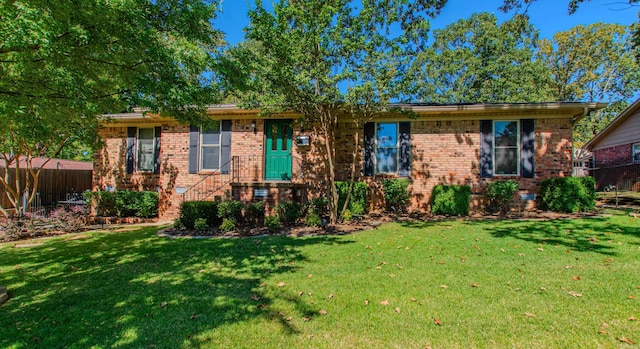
{"x":611,"y":156}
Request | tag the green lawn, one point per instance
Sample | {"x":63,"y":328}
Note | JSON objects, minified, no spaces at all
{"x":490,"y":284}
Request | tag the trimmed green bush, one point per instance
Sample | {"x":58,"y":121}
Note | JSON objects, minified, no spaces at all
{"x":358,"y":200}
{"x":192,"y":210}
{"x":498,"y":194}
{"x":254,"y":213}
{"x":396,"y":194}
{"x":319,"y":206}
{"x":228,"y":224}
{"x":289,"y":212}
{"x":313,"y":220}
{"x":568,"y":194}
{"x":347,"y":216}
{"x":452,"y":200}
{"x":231,"y":209}
{"x":272,"y":223}
{"x":201,"y":225}
{"x":124,"y":203}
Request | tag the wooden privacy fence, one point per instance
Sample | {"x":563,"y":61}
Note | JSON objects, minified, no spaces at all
{"x":54,"y":185}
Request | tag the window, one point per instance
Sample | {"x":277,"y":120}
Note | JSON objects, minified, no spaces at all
{"x":506,"y":148}
{"x":210,"y":148}
{"x":143,"y":149}
{"x":387,"y":148}
{"x":146,"y":149}
{"x":636,"y":152}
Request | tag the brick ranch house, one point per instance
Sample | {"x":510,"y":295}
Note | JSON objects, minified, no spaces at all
{"x":616,"y":151}
{"x":247,"y":158}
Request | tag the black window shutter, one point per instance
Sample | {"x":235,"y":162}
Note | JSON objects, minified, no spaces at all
{"x":156,"y":150}
{"x":131,"y":148}
{"x":369,"y":148}
{"x":527,"y":151}
{"x":486,"y":148}
{"x":404,"y":138}
{"x":194,"y":153}
{"x":225,"y":144}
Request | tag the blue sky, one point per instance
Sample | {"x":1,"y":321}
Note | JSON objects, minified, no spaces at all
{"x":548,"y":16}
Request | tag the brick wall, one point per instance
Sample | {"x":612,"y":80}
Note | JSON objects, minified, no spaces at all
{"x":443,"y":152}
{"x":612,"y":156}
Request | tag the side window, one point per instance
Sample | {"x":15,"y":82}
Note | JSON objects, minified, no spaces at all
{"x":146,"y":147}
{"x":387,"y":148}
{"x":636,"y":152}
{"x":506,"y":148}
{"x":210,"y":148}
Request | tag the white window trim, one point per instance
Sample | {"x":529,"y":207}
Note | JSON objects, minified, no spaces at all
{"x":397,"y":147}
{"x":137,"y":153}
{"x":518,"y":149}
{"x":201,"y":147}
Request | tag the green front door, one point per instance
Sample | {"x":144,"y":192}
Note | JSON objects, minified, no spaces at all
{"x":278,"y":150}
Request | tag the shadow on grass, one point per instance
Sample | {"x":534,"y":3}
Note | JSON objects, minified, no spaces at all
{"x":135,"y":289}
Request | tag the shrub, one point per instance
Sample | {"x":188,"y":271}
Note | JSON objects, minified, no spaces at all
{"x":124,"y":203}
{"x":192,"y":210}
{"x":254,"y":213}
{"x":177,"y":224}
{"x":319,"y":206}
{"x":228,"y":224}
{"x":272,"y":223}
{"x":396,"y":194}
{"x":358,"y":200}
{"x":201,"y":224}
{"x":568,"y":194}
{"x":313,"y":220}
{"x":231,"y":209}
{"x":289,"y":212}
{"x":498,"y":194}
{"x":347,"y":216}
{"x":451,"y":200}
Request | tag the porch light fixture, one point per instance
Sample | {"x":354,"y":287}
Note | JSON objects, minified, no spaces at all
{"x":253,"y":126}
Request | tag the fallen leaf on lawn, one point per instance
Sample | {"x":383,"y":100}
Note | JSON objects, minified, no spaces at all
{"x":474,"y":285}
{"x":412,"y":299}
{"x":397,"y":310}
{"x":202,"y":270}
{"x":300,"y":293}
{"x":322,"y":312}
{"x":262,"y":306}
{"x":255,"y":297}
{"x":406,"y":248}
{"x":632,"y":318}
{"x":626,"y":340}
{"x":444,"y":286}
{"x":574,"y":294}
{"x":385,"y":302}
{"x":366,"y":302}
{"x":289,"y":318}
{"x":501,"y":249}
{"x":631,"y":297}
{"x":568,"y":267}
{"x":368,"y":247}
{"x":309,"y":336}
{"x":392,"y":275}
{"x":281,"y":314}
{"x":593,"y":239}
{"x":437,"y":322}
{"x":576,"y":278}
{"x":542,"y":289}
{"x":280,"y":284}
{"x":193,"y":316}
{"x":163,"y":304}
{"x":540,"y":249}
{"x":310,"y":294}
{"x":330,"y":296}
{"x":305,"y":319}
{"x":310,"y":275}
{"x":441,"y":262}
{"x":530,"y":315}
{"x":521,"y":254}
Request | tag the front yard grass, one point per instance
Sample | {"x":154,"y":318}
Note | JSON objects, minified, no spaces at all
{"x":452,"y":284}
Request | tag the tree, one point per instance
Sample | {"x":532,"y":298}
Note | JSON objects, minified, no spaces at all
{"x":62,"y":63}
{"x":573,"y":5}
{"x":328,"y":58}
{"x":476,"y":60}
{"x":592,"y":63}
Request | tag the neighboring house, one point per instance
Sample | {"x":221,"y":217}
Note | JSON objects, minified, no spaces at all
{"x":616,"y":151}
{"x":581,"y":162}
{"x":58,"y":179}
{"x":246,"y":157}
